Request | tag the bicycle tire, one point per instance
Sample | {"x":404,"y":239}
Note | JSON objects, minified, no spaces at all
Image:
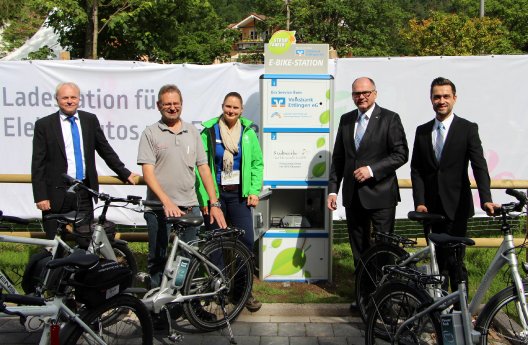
{"x":368,"y":273}
{"x":236,"y":263}
{"x":392,"y":304}
{"x":125,"y":256}
{"x":499,"y":322}
{"x":133,"y":327}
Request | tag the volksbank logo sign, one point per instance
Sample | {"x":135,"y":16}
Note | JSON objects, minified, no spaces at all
{"x":278,"y":102}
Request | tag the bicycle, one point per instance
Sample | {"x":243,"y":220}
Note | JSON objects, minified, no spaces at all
{"x":99,"y":242}
{"x":211,"y":283}
{"x":390,"y":250}
{"x":110,"y":316}
{"x":503,"y":319}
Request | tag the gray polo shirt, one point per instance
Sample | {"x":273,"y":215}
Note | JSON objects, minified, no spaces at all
{"x":174,"y":156}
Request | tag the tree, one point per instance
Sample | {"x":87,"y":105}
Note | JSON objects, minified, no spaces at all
{"x":158,"y":30}
{"x":357,"y":27}
{"x":451,"y":34}
{"x":19,"y":22}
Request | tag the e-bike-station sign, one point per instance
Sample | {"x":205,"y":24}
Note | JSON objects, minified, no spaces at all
{"x":297,"y":95}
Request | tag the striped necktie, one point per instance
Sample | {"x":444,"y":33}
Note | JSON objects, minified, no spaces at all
{"x":439,"y":144}
{"x":360,"y":130}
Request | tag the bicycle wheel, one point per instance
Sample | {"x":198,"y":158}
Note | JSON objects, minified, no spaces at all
{"x":236,"y":264}
{"x":500,"y":320}
{"x":369,"y":273}
{"x":391,"y":305}
{"x":133,"y":326}
{"x":125,"y":256}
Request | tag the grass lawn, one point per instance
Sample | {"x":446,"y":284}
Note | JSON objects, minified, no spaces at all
{"x":13,"y":258}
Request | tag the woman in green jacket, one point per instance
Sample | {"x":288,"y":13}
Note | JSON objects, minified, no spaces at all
{"x":236,"y":162}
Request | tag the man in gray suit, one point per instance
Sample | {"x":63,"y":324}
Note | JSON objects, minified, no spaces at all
{"x":370,"y":145}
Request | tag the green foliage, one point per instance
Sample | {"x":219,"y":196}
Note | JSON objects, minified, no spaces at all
{"x":44,"y":53}
{"x":160,"y":31}
{"x":19,"y":21}
{"x":452,"y":34}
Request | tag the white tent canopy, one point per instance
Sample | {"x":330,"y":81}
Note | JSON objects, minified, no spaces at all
{"x":43,"y":37}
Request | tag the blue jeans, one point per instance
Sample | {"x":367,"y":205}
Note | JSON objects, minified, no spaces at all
{"x":158,"y":235}
{"x":238,"y":214}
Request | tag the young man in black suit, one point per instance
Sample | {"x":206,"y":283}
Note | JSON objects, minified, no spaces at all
{"x":370,"y":145}
{"x":443,"y":148}
{"x":57,"y":150}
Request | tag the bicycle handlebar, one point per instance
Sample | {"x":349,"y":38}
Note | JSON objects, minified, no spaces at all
{"x":520,"y":196}
{"x":132,"y":199}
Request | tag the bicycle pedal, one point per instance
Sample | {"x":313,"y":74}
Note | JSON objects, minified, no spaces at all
{"x":176,"y":337}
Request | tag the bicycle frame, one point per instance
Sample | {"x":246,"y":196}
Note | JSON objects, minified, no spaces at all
{"x":50,"y":313}
{"x":158,"y":297}
{"x":505,"y":255}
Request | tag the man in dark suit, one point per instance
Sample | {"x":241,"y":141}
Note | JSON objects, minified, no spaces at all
{"x":442,"y":151}
{"x":57,"y":150}
{"x":370,"y":145}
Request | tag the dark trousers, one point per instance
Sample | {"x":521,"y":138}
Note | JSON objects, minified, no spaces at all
{"x":450,"y":260}
{"x":80,"y":201}
{"x":359,"y":222}
{"x":237,"y":214}
{"x":158,"y":236}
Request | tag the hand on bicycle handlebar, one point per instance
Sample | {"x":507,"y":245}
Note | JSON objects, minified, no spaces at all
{"x":421,"y":208}
{"x":490,"y":208}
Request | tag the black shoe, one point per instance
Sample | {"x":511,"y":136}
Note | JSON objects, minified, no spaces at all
{"x":353,"y":307}
{"x":253,"y":305}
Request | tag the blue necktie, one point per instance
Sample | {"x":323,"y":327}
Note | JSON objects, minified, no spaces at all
{"x":76,"y":148}
{"x":360,"y":130}
{"x":439,"y":145}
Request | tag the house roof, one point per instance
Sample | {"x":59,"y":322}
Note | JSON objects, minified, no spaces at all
{"x":248,"y":20}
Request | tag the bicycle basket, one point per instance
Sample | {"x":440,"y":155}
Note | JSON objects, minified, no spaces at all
{"x":103,"y":281}
{"x":83,"y":233}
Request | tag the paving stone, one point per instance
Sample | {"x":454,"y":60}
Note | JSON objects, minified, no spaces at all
{"x":265,"y":340}
{"x":332,"y":340}
{"x":304,"y":341}
{"x":345,"y":330}
{"x":292,"y":329}
{"x":319,"y":329}
{"x":264,"y":329}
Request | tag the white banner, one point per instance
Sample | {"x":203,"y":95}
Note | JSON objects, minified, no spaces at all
{"x":123,"y":95}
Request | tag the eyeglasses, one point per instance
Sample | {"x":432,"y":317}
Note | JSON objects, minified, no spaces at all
{"x":366,"y":94}
{"x":169,"y":105}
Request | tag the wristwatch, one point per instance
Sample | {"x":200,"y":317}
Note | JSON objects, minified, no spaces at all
{"x":216,"y":204}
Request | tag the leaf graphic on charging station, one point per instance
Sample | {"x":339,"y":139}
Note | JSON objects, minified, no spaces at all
{"x":324,"y":118}
{"x":288,"y":262}
{"x":276,"y":243}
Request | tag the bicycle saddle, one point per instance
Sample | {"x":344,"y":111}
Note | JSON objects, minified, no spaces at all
{"x":79,"y":258}
{"x":425,"y":217}
{"x":186,"y":220}
{"x":446,"y":239}
{"x":70,"y":217}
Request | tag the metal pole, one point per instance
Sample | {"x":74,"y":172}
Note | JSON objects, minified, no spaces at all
{"x":482,"y":8}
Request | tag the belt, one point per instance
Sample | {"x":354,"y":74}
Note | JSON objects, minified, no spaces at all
{"x":186,"y":208}
{"x":229,"y":187}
